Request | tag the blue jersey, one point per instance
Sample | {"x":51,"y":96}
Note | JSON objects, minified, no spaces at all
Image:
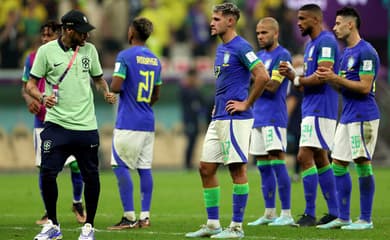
{"x":361,"y":59}
{"x":232,"y":68}
{"x":141,"y":71}
{"x":270,"y":108}
{"x":320,"y":100}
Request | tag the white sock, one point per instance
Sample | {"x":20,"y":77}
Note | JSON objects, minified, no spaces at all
{"x":144,"y":215}
{"x":285,"y":212}
{"x":213,"y":223}
{"x":130,"y":215}
{"x":235,"y":224}
{"x":270,"y":213}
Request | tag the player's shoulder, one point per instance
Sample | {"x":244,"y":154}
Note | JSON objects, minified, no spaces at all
{"x":327,"y":37}
{"x":283,"y":51}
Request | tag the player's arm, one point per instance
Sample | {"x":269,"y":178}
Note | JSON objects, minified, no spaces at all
{"x":260,"y":79}
{"x":32,"y":104}
{"x":363,"y":86}
{"x":102,"y":86}
{"x":155,"y":94}
{"x":116,"y":84}
{"x":276,"y":79}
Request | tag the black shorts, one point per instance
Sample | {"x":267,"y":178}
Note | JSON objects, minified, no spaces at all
{"x":59,"y":143}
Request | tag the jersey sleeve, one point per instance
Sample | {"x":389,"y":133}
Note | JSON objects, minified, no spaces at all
{"x":248,"y":56}
{"x":327,"y":50}
{"x":26,"y":69}
{"x":368,"y":63}
{"x":38,"y":69}
{"x":275,"y":74}
{"x":120,"y":69}
{"x":158,"y":79}
{"x":96,"y":68}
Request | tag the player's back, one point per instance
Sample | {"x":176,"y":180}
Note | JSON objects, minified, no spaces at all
{"x":142,"y":73}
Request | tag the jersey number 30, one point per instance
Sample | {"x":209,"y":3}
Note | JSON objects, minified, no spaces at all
{"x":145,"y":88}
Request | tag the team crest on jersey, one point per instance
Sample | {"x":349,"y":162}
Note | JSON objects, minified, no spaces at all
{"x":267,"y":63}
{"x":47,"y":145}
{"x":226,"y":58}
{"x":310,"y":58}
{"x":350,"y":63}
{"x":85,"y":62}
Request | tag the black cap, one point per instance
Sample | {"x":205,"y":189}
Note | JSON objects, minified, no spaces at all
{"x":76,"y":20}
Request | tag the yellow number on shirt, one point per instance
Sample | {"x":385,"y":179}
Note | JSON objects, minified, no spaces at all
{"x":145,"y":87}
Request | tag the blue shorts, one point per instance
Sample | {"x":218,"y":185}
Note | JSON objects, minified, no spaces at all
{"x":59,"y":143}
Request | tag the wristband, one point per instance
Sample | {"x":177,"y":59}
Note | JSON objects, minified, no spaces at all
{"x":42,"y":99}
{"x":296,"y":81}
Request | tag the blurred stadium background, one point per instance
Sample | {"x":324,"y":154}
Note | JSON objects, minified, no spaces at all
{"x":181,"y":38}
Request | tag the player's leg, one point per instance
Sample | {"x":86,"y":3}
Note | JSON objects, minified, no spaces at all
{"x":144,"y":167}
{"x":276,"y":148}
{"x":85,"y":149}
{"x":37,"y":148}
{"x":364,"y":137}
{"x":78,"y":185}
{"x":54,"y":154}
{"x":211,"y":156}
{"x":236,"y":137}
{"x":125,"y":152}
{"x":268,"y":180}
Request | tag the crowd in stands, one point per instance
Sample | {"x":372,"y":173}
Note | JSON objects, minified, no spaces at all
{"x":182,"y":27}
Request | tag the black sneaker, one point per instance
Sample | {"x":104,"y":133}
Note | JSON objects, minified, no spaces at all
{"x":124,"y":224}
{"x":326,"y":218}
{"x":306,"y":221}
{"x":79,"y":212}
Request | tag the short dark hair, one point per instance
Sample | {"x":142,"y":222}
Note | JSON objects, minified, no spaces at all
{"x":53,"y":25}
{"x":143,"y":27}
{"x":314,"y":8}
{"x":349,"y":12}
{"x":228,"y":8}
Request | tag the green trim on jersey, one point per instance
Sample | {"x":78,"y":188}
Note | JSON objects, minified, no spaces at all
{"x":212,"y":196}
{"x":254,"y":64}
{"x":75,"y":107}
{"x":310,"y":171}
{"x":241,"y":189}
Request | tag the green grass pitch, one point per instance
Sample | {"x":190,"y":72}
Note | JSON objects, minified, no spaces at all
{"x":177,"y":208}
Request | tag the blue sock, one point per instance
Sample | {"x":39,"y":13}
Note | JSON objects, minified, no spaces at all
{"x":77,"y":182}
{"x":310,"y":182}
{"x":268,"y":183}
{"x":344,"y":189}
{"x":125,"y":185}
{"x":328,"y":186}
{"x":367,"y":190}
{"x":284,"y":183}
{"x":146,"y":181}
{"x":240,"y":197}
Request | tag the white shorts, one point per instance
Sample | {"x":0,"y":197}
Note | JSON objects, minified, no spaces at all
{"x":265,"y":139}
{"x":317,"y":132}
{"x":37,"y":148}
{"x":355,"y":140}
{"x":227,"y":141}
{"x":132,"y":148}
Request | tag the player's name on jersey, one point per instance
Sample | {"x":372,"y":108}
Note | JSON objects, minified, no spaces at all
{"x":147,"y":60}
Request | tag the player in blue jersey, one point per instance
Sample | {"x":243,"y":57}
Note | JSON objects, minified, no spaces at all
{"x":319,"y":114}
{"x":268,"y":138}
{"x":137,"y":79}
{"x":50,"y":31}
{"x":357,"y":131}
{"x":227,"y":137}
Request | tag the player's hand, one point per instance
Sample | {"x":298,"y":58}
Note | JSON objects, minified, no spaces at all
{"x":326,"y":74}
{"x":110,"y":97}
{"x":233,"y":106}
{"x":285,"y":69}
{"x":50,"y":101}
{"x":34,"y":106}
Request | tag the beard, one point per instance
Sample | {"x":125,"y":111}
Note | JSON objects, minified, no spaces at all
{"x":266,"y":45}
{"x":307,"y":31}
